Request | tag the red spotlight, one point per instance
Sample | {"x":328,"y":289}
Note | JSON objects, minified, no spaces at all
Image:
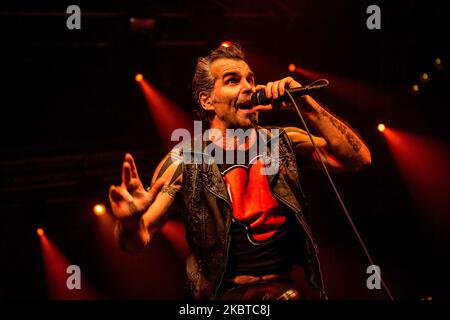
{"x":226,"y":44}
{"x":167,"y":114}
{"x":424,"y":165}
{"x":99,"y":209}
{"x":381,"y":127}
{"x":139,"y":77}
{"x":56,"y":274}
{"x":40,"y":232}
{"x":291,"y":67}
{"x":353,"y":91}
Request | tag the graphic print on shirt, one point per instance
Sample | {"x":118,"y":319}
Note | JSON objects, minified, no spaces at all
{"x":253,"y":203}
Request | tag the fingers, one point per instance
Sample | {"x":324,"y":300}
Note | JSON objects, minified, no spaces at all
{"x":126,"y":174}
{"x":114,"y":195}
{"x":277,"y":89}
{"x":125,"y":195}
{"x":268,"y":90}
{"x":130,"y":160}
{"x":282,"y":85}
{"x":260,"y":87}
{"x":117,"y":194}
{"x":290,"y":83}
{"x":274,"y":89}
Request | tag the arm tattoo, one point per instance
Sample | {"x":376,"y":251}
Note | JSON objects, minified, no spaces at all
{"x":164,"y":167}
{"x":168,"y":163}
{"x":170,"y":190}
{"x":350,"y":136}
{"x":178,"y":172}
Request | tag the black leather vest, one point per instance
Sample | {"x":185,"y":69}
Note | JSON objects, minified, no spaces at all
{"x":206,"y":207}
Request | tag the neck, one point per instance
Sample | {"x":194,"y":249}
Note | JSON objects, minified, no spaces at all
{"x":228,"y":138}
{"x":218,"y":125}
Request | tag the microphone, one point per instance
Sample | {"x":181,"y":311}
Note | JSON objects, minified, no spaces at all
{"x":259,"y":97}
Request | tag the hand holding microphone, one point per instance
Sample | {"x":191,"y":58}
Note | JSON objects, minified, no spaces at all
{"x":275,"y":92}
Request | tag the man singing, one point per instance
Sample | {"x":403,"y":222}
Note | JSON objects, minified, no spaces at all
{"x":246,"y":227}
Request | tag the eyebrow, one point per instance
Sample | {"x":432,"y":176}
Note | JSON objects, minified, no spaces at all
{"x":234,"y":73}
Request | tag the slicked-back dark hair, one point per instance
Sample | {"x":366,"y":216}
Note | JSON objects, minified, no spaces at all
{"x":203,"y":80}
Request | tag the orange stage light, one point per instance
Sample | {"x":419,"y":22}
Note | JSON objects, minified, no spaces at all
{"x":424,"y":77}
{"x":99,"y":209}
{"x":40,"y":232}
{"x":139,"y":77}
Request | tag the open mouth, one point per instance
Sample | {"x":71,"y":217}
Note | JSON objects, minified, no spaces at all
{"x":246,"y":105}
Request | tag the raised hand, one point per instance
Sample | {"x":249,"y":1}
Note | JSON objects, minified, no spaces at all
{"x":130,"y":199}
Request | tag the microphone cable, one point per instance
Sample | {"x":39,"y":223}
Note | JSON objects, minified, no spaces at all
{"x":336,"y":192}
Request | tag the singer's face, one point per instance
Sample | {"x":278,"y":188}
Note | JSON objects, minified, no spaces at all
{"x":233,"y":87}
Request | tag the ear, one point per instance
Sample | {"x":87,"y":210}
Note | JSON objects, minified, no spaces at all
{"x":206,"y":100}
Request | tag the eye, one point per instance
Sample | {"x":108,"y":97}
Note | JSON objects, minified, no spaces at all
{"x":251,"y":80}
{"x":232,"y":80}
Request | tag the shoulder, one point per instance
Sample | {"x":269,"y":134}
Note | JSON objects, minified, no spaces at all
{"x":170,"y":168}
{"x":272,"y":132}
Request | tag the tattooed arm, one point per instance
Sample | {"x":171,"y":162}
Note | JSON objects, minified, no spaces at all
{"x":340,"y":146}
{"x":139,"y":212}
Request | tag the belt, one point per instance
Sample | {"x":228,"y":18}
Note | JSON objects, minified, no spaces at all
{"x":248,"y":279}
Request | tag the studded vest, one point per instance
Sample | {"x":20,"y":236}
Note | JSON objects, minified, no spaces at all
{"x":206,"y":208}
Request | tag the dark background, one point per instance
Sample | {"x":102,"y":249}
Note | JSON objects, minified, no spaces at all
{"x":70,"y":109}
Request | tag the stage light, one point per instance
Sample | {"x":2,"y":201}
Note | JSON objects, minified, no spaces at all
{"x":423,"y":162}
{"x":226,"y":44}
{"x":99,"y":209}
{"x":291,"y":67}
{"x":368,"y":97}
{"x":168,"y":116}
{"x":139,"y":77}
{"x":438,"y":63}
{"x":381,"y":127}
{"x":424,"y":77}
{"x":415,"y":88}
{"x":40,"y":232}
{"x":57,"y":276}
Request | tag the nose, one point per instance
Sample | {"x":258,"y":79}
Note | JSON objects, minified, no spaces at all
{"x":247,"y":87}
